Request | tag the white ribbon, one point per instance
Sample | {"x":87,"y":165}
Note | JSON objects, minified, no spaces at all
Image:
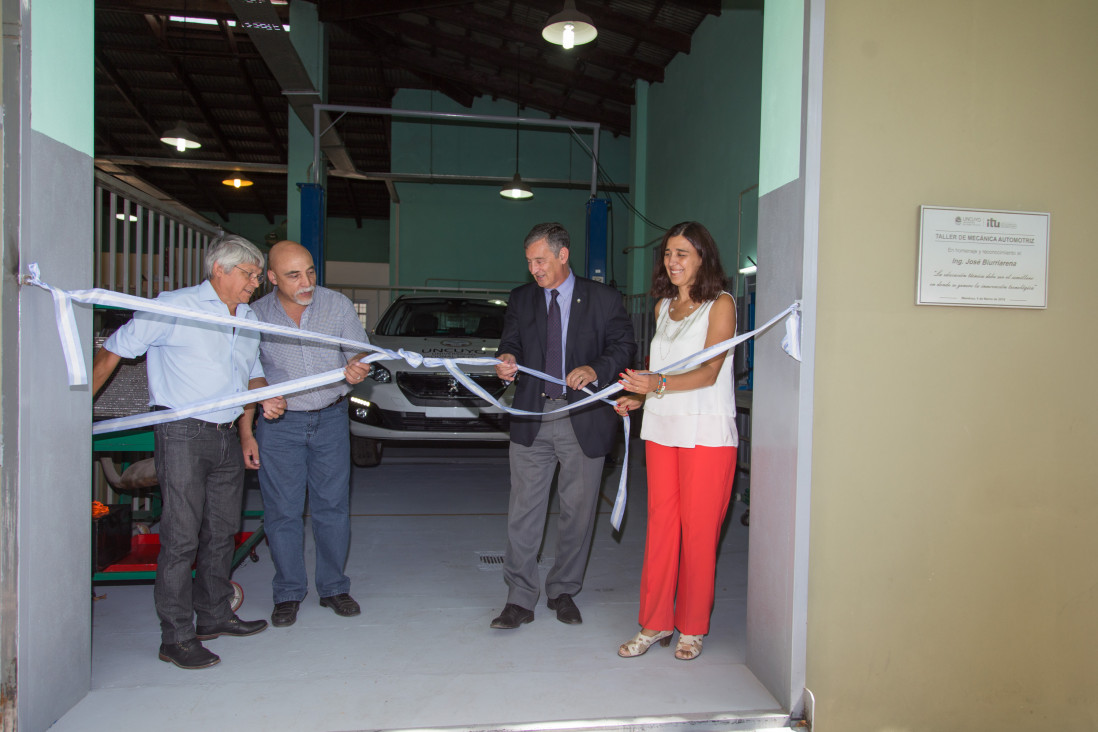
{"x":77,"y":369}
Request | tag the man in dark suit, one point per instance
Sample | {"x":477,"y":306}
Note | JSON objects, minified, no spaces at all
{"x":577,"y":330}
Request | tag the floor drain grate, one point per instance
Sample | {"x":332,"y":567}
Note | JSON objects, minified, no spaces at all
{"x":494,"y":560}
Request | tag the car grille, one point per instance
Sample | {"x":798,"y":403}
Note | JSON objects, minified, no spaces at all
{"x":443,"y":390}
{"x":419,"y":422}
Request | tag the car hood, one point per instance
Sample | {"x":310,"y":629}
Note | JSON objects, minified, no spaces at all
{"x":447,"y":347}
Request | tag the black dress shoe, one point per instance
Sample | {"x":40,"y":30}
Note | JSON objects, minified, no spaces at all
{"x":342,"y":604}
{"x":232,"y":626}
{"x":567,"y":612}
{"x":512,"y":617}
{"x":285,"y":613}
{"x":188,"y":654}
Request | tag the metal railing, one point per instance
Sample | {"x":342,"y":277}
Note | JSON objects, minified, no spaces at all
{"x":141,"y":248}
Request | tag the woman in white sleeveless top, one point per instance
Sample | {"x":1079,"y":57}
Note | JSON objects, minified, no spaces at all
{"x":690,"y":442}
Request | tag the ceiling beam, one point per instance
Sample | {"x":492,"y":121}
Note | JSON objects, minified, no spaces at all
{"x":127,"y":94}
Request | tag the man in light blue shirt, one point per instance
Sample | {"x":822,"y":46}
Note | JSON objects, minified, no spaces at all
{"x":199,"y":462}
{"x":307,"y":451}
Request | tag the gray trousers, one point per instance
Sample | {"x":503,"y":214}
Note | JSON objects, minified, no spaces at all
{"x":532,"y":470}
{"x":201,"y":474}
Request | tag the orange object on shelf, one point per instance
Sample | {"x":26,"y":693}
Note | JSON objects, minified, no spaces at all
{"x":99,"y":509}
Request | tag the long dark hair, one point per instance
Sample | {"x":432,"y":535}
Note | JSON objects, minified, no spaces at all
{"x":709,"y":283}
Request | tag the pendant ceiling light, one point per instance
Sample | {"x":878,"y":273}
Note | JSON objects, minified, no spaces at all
{"x":516,"y":189}
{"x":180,"y":137}
{"x":569,"y":27}
{"x":237,"y":181}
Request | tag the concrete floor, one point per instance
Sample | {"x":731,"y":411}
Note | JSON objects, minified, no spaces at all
{"x":426,"y":524}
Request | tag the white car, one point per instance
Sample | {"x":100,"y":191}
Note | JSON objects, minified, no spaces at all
{"x":401,"y":402}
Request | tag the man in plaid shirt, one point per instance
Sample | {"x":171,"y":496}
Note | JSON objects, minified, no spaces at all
{"x":307,"y":449}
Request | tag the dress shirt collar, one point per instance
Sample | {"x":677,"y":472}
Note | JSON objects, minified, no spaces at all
{"x":206,"y":292}
{"x":564,"y":290}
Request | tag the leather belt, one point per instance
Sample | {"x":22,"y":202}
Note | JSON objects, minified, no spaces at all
{"x":219,"y":426}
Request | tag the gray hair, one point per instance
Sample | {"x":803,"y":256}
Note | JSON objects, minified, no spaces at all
{"x":229,"y":250}
{"x":555,"y":235}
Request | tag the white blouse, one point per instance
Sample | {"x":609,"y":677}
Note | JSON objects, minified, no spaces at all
{"x":705,"y":416}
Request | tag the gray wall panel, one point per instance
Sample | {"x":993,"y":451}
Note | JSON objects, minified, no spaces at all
{"x":54,"y":437}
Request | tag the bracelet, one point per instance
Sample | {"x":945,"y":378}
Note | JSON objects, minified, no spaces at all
{"x":661,"y":387}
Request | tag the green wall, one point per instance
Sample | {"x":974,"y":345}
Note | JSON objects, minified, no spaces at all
{"x":60,"y":34}
{"x":468,"y":232}
{"x":780,"y":138}
{"x":345,"y":240}
{"x":703,"y":136}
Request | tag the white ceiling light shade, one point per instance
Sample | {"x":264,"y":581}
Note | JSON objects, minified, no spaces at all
{"x":180,"y":137}
{"x":516,"y":189}
{"x":569,"y":27}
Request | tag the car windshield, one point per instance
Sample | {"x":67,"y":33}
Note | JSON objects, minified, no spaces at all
{"x":441,"y":317}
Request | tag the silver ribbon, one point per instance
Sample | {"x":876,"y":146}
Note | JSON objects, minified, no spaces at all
{"x":78,"y":376}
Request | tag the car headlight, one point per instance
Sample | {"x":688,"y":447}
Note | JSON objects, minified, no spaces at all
{"x":365,"y":411}
{"x":380,"y":374}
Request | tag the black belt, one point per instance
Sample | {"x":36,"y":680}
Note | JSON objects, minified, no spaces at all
{"x":555,"y":399}
{"x":337,"y":401}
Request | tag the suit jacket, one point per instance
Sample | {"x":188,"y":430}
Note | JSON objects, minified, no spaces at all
{"x":600,"y":335}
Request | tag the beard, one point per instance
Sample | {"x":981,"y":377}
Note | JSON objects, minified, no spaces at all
{"x":304,"y":296}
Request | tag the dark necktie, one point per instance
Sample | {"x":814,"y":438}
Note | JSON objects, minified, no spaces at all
{"x":553,"y":352}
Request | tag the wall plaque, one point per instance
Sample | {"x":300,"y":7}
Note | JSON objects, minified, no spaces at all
{"x":982,"y":258}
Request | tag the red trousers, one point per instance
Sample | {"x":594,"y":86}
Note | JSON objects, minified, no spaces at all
{"x":688,"y":493}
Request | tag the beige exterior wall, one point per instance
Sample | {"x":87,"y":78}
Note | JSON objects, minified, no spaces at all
{"x":954,"y":581}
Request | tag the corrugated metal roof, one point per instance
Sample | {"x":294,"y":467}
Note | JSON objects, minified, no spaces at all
{"x":151,"y":72}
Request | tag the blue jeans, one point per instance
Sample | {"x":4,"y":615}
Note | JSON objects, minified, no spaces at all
{"x":306,"y":451}
{"x":201,"y":474}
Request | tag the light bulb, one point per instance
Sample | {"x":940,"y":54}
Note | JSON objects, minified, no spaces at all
{"x":236,"y":182}
{"x":568,"y":37}
{"x":180,"y":144}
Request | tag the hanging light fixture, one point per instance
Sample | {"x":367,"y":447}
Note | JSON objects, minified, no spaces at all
{"x":517,"y":189}
{"x":237,"y":181}
{"x":180,"y":137}
{"x":569,"y":27}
